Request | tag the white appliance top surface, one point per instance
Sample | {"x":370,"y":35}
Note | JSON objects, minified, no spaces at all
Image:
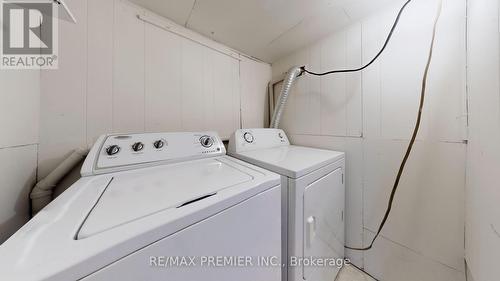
{"x":103,"y":218}
{"x":140,"y":193}
{"x":290,"y":160}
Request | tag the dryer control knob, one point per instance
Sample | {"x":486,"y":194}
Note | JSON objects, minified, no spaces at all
{"x":207,"y":141}
{"x":112,"y":150}
{"x":138,"y":146}
{"x":248,"y":137}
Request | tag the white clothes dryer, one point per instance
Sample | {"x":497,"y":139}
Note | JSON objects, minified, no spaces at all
{"x":313,"y":200}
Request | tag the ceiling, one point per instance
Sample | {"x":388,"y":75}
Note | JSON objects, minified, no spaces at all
{"x":265,"y":29}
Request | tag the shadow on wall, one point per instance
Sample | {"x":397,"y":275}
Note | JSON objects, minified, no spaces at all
{"x":20,"y":214}
{"x":68,"y":180}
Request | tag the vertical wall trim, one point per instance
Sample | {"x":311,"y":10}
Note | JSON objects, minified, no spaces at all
{"x":181,"y":88}
{"x":86,"y":108}
{"x":144,"y":76}
{"x":467,"y":61}
{"x":346,"y":78}
{"x":113,"y":68}
{"x":498,"y":24}
{"x":240,"y":91}
{"x":466,"y":178}
{"x":362,"y":147}
{"x":361,"y":51}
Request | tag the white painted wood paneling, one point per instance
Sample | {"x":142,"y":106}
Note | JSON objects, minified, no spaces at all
{"x":63,"y":94}
{"x":374,"y":32}
{"x":208,"y":91}
{"x":303,"y":102}
{"x":128,"y":70}
{"x":446,"y":101}
{"x":333,"y":87}
{"x":354,"y":114}
{"x":254,"y":79}
{"x":19,"y":136}
{"x":99,"y":69}
{"x":390,"y":261}
{"x":401,"y":70}
{"x":17,"y":177}
{"x":226,"y":94}
{"x":482,"y":243}
{"x":120,"y":74}
{"x":163,"y":80}
{"x":400,"y":85}
{"x":378,"y":109}
{"x":19,"y":107}
{"x":328,"y":105}
{"x":314,"y":93}
{"x":193,"y":98}
{"x":430,"y":197}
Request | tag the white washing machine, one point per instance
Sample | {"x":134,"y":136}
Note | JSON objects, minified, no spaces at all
{"x":313,"y":199}
{"x":145,"y":200}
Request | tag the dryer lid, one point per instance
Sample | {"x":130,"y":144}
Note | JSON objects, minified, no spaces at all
{"x":290,"y":160}
{"x":133,"y":195}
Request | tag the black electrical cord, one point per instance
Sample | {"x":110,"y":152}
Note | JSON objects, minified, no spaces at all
{"x":374,"y":59}
{"x":413,"y":137}
{"x":417,"y":124}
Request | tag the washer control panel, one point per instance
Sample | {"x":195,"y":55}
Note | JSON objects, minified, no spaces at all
{"x":252,"y":139}
{"x":113,"y":153}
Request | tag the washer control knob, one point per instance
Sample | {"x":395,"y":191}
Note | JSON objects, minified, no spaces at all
{"x":159,"y":144}
{"x":207,"y":141}
{"x":112,"y":150}
{"x":138,"y":146}
{"x":248,"y":137}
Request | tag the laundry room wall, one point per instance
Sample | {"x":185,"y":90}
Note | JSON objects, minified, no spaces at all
{"x":19,"y":114}
{"x":119,"y":73}
{"x":482,"y":236}
{"x":370,"y":116}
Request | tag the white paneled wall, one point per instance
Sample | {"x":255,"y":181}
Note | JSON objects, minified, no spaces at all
{"x":370,"y":116}
{"x":119,"y":73}
{"x":19,"y":107}
{"x":333,"y":102}
{"x":63,"y":98}
{"x":99,"y":68}
{"x":163,"y":80}
{"x":19,"y":115}
{"x":17,"y":176}
{"x":254,"y":77}
{"x":392,"y":85}
{"x":128,"y":70}
{"x":483,"y":153}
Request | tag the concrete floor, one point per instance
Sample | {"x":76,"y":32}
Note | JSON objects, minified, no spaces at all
{"x":350,"y":273}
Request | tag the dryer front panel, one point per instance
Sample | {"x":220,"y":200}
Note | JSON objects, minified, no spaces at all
{"x":323,"y":226}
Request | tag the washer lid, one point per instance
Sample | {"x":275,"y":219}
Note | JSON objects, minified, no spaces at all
{"x":133,"y":195}
{"x":290,"y":160}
